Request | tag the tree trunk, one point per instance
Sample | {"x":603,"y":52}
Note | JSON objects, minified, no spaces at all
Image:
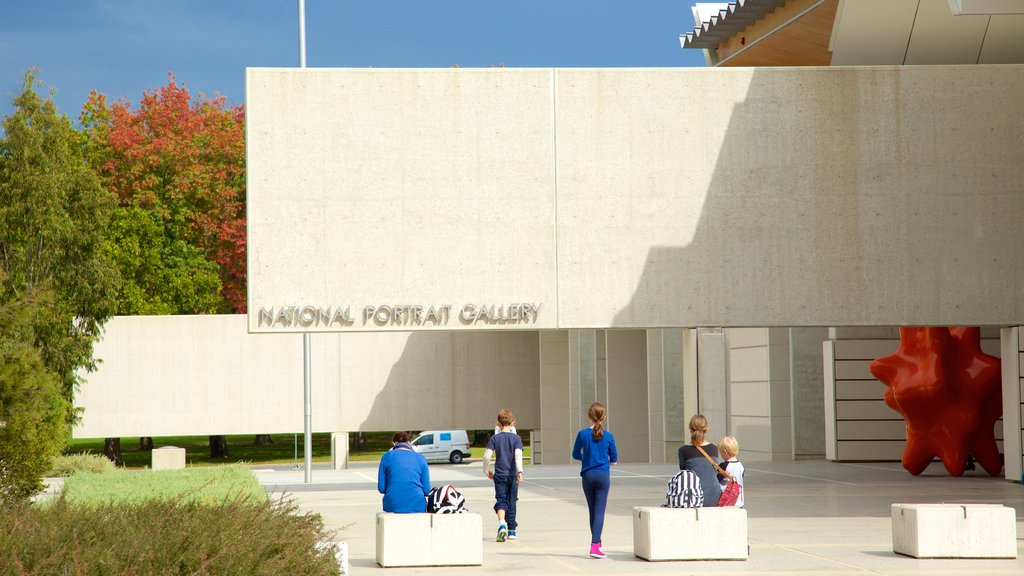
{"x":145,"y":442}
{"x":360,"y":440}
{"x":480,"y":437}
{"x":112,"y":450}
{"x":219,"y":447}
{"x":263,"y":440}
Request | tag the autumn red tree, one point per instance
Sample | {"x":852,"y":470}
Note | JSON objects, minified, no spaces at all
{"x":177,"y":166}
{"x":182,"y":159}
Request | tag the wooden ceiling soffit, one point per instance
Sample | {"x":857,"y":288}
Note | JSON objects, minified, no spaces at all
{"x":794,"y":34}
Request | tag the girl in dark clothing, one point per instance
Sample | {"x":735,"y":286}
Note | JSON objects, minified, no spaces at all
{"x":691,"y":459}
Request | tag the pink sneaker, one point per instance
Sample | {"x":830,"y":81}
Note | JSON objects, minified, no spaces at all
{"x":595,"y":550}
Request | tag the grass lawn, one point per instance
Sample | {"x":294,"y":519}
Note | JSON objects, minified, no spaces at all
{"x":242,"y":449}
{"x":197,"y":449}
{"x":208,"y":485}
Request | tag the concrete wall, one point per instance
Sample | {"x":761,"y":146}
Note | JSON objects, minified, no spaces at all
{"x":712,"y":382}
{"x":760,"y":400}
{"x":638,"y":374}
{"x":638,"y":198}
{"x":1013,"y":402}
{"x":628,"y":409}
{"x":171,"y":375}
{"x":665,"y":396}
{"x":807,"y":375}
{"x":554,"y":440}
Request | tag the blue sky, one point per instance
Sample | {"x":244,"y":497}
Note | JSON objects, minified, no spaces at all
{"x":124,"y":47}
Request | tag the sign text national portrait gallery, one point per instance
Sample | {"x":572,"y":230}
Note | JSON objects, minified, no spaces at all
{"x":408,"y":315}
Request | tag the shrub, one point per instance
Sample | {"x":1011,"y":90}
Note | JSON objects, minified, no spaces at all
{"x":67,"y":464}
{"x":163,"y":537}
{"x":206,"y":485}
{"x":33,"y":412}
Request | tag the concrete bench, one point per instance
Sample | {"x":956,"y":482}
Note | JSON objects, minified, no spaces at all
{"x":954,"y":530}
{"x":690,"y":533}
{"x":168,"y":458}
{"x":429,"y":539}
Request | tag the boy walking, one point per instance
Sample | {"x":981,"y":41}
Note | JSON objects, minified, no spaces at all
{"x":507,"y":447}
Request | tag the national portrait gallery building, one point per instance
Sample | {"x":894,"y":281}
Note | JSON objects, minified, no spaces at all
{"x":739,"y":242}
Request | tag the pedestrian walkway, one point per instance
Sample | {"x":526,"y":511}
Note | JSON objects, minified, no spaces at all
{"x":806,"y":517}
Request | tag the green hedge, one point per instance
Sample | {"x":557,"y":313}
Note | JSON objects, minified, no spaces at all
{"x":206,"y":485}
{"x":163,"y":537}
{"x":67,"y":464}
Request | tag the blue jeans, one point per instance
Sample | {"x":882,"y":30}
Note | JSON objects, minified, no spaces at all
{"x":596,"y":484}
{"x":506,"y":492}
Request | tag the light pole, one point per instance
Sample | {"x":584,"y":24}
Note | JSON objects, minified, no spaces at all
{"x":307,"y":373}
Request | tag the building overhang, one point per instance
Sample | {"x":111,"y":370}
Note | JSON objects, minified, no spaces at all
{"x":859,"y":33}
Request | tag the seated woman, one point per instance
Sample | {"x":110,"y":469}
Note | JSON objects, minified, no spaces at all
{"x":403,"y":477}
{"x":690,"y":458}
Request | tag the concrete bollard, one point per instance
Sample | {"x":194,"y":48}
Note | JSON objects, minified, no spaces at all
{"x":168,"y":458}
{"x":690,"y":533}
{"x":954,"y":530}
{"x":429,"y":539}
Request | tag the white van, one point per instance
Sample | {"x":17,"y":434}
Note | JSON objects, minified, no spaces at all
{"x":442,"y":445}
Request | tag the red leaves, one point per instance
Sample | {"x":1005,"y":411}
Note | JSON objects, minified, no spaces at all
{"x":184,"y":158}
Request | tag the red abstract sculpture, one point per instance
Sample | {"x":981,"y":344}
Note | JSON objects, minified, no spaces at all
{"x":949,"y":394}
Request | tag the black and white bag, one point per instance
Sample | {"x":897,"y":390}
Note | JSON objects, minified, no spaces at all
{"x":446,"y":500}
{"x":684,"y":491}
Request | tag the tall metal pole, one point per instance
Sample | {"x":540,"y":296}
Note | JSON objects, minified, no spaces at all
{"x":307,"y":372}
{"x":302,"y":33}
{"x":308,"y":377}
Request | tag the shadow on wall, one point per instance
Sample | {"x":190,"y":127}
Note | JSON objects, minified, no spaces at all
{"x":440,"y":380}
{"x":837,"y":199}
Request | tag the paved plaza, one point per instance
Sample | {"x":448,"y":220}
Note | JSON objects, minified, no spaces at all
{"x":806,"y":517}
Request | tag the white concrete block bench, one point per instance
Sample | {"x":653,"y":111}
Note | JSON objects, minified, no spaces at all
{"x":429,"y":539}
{"x":690,"y":533}
{"x":168,"y":458}
{"x":954,"y":530}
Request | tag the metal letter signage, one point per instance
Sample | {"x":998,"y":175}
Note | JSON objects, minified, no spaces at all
{"x":399,"y":315}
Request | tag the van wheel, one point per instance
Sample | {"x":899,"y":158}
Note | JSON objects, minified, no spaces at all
{"x":456,"y":457}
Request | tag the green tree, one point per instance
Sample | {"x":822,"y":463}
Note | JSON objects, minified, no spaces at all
{"x":53,"y":219}
{"x":160,"y":274}
{"x":181,"y":160}
{"x":177,"y":165}
{"x":33,"y":409}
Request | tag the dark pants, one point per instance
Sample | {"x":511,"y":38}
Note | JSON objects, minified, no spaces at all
{"x":595,"y":487}
{"x":506,"y":492}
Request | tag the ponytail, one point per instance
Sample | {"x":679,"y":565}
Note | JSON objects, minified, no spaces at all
{"x":597,"y":414}
{"x":698,"y":428}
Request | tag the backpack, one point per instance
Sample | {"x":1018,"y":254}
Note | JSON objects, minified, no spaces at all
{"x":446,"y":500}
{"x":684,"y":491}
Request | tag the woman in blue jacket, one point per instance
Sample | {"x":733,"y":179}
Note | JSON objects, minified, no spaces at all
{"x":595,"y":447}
{"x":403,"y":477}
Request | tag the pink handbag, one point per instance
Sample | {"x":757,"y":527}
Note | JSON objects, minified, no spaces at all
{"x":731,"y":492}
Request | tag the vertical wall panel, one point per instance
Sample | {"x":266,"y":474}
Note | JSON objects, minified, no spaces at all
{"x":627,"y":394}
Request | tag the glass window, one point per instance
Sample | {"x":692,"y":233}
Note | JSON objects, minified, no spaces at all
{"x":423,"y":440}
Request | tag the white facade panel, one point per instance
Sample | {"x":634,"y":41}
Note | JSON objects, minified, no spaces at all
{"x":871,"y":450}
{"x":613,"y":198}
{"x":200,"y":375}
{"x":859,"y":390}
{"x":400,"y":188}
{"x":939,"y":38}
{"x":1004,"y":40}
{"x":890,"y":22}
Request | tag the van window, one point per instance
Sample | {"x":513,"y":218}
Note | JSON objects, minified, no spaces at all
{"x":424,"y":440}
{"x":446,"y":436}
